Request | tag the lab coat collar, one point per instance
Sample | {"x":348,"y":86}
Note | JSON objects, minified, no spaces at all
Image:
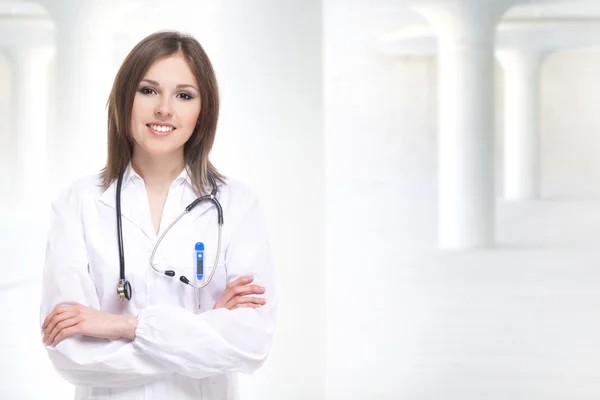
{"x":135,"y":214}
{"x":130,"y":174}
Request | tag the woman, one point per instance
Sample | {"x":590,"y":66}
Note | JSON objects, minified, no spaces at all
{"x":164,"y":339}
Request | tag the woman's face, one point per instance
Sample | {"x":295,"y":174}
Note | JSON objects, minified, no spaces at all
{"x":165,"y":108}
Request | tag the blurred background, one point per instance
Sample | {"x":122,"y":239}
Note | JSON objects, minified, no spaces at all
{"x":438,"y":159}
{"x":503,"y":306}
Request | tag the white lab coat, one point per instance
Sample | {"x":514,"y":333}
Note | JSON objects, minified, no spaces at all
{"x":183,"y":348}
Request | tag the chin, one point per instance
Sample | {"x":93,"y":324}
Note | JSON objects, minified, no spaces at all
{"x":158,"y":148}
{"x":161,"y":151}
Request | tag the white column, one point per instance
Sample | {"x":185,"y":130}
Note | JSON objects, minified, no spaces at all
{"x":521,"y":122}
{"x":70,"y":92}
{"x":29,"y":81}
{"x":466,"y":32}
{"x":83,"y":72}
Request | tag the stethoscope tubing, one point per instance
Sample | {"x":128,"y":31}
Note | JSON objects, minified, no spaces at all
{"x":124,"y":287}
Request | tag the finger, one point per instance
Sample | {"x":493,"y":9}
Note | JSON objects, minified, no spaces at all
{"x":237,"y":291}
{"x":229,"y":291}
{"x":245,"y":300}
{"x":67,"y":323}
{"x":244,"y":280}
{"x":51,"y":335}
{"x":249,"y":299}
{"x":245,"y":305}
{"x":65,"y":333}
{"x":57,"y":310}
{"x":55,"y":320}
{"x":50,"y":316}
{"x":248,"y":289}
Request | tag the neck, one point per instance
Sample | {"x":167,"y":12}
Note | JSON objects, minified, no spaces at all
{"x":157,"y":172}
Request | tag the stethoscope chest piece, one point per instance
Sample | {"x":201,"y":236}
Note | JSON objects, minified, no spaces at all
{"x":123,"y":290}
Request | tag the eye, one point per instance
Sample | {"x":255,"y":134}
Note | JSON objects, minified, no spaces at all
{"x":186,"y":96}
{"x":147,"y":90}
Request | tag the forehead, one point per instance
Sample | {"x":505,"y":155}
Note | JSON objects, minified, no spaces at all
{"x":171,"y":71}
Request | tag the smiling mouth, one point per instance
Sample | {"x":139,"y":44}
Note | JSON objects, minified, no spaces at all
{"x":161,"y":128}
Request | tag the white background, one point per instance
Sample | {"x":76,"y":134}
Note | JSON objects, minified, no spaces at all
{"x":340,"y":144}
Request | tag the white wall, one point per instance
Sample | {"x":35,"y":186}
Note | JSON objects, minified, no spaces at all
{"x":570,"y":124}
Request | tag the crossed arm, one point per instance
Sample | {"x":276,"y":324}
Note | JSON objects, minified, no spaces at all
{"x":95,"y":348}
{"x":68,"y":320}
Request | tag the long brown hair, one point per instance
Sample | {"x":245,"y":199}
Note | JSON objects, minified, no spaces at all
{"x":120,"y":104}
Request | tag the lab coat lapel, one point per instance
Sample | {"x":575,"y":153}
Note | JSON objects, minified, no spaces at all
{"x":131,"y":209}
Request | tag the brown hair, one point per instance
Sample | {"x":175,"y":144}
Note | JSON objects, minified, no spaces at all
{"x":120,"y":104}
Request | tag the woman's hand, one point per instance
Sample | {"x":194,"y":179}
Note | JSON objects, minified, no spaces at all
{"x":66,"y":321}
{"x":236,"y":294}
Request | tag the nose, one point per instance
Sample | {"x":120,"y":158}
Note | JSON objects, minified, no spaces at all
{"x":163,"y":107}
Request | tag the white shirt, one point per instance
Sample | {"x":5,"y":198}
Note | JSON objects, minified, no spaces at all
{"x":183,"y":349}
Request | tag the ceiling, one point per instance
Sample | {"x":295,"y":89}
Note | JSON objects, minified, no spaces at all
{"x":21,"y":9}
{"x":572,"y":9}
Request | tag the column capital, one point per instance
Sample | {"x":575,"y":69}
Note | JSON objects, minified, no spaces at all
{"x":548,"y":35}
{"x":85,"y":15}
{"x":527,"y":57}
{"x":470,"y":20}
{"x":536,"y":38}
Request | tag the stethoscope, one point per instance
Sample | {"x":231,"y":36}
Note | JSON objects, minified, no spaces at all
{"x":124,"y":287}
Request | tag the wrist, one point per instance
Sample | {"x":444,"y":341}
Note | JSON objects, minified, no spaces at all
{"x":128,"y":326}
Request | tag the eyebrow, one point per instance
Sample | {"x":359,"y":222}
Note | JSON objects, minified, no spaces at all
{"x":180,"y":86}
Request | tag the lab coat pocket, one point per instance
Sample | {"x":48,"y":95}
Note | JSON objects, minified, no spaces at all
{"x":213,"y":270}
{"x":215,"y":278}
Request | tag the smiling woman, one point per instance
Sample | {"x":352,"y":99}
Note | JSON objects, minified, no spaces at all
{"x":150,"y":333}
{"x":166,"y":80}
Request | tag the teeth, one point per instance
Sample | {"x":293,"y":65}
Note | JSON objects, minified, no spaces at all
{"x":159,"y":128}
